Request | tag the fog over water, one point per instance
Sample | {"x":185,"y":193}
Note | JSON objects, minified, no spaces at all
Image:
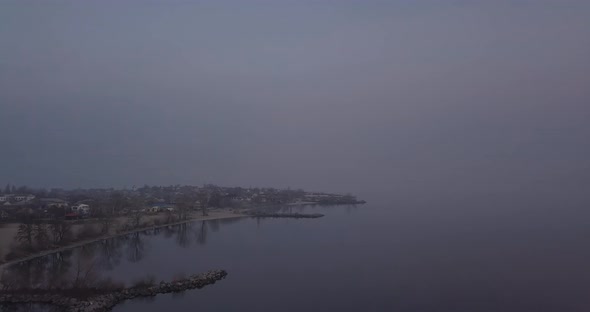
{"x":464,"y":124}
{"x":419,"y":98}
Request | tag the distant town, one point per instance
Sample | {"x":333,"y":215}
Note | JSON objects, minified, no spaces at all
{"x":23,"y":202}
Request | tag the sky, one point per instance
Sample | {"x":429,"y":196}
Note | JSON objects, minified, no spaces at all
{"x":399,"y":96}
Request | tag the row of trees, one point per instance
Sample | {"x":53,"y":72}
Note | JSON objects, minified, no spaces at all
{"x":34,"y":234}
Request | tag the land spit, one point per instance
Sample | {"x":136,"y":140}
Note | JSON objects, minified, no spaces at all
{"x":105,"y":301}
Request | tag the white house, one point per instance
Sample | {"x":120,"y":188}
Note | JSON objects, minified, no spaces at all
{"x":25,"y":198}
{"x":82,"y":209}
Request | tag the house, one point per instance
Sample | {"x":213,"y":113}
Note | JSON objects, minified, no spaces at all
{"x":157,"y":207}
{"x":153,"y":209}
{"x":81,"y":209}
{"x":23,"y":197}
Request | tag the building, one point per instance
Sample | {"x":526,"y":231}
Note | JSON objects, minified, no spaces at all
{"x":23,"y":197}
{"x":157,"y":207}
{"x":81,"y":209}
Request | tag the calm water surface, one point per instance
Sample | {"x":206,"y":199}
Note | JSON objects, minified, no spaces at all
{"x":463,"y":255}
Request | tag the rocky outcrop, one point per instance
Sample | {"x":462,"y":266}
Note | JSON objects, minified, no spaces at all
{"x":106,"y":301}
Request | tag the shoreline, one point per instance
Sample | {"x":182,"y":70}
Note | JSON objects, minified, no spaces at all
{"x":94,"y":240}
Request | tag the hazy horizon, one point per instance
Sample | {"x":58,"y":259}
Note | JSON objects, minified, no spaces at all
{"x":345,"y":96}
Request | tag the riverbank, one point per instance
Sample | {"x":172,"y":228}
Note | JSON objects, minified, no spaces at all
{"x":212,"y":215}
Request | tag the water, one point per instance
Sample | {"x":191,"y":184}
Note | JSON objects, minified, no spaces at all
{"x":486,"y":254}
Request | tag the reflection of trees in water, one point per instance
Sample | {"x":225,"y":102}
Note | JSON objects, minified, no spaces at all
{"x":84,"y":273}
{"x":201,"y":233}
{"x":110,"y":252}
{"x":57,"y":270}
{"x":37,"y":269}
{"x":200,"y":230}
{"x":228,"y":221}
{"x":61,"y":269}
{"x":169,"y":231}
{"x":214,"y":225}
{"x":25,"y":274}
{"x":135,"y":247}
{"x":182,"y":238}
{"x":58,"y":267}
{"x":351,"y":208}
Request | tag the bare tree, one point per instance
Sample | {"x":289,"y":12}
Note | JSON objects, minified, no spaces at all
{"x":85,"y":275}
{"x":117,"y":202}
{"x":134,"y":219}
{"x":205,"y":200}
{"x":40,"y":233}
{"x":169,"y":216}
{"x":135,"y":248}
{"x":106,"y":223}
{"x":185,"y":204}
{"x":60,"y":231}
{"x":25,"y":233}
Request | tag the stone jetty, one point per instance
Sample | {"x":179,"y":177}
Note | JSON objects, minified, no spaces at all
{"x":107,"y":300}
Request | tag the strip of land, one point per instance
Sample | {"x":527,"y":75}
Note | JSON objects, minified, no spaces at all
{"x":212,"y":215}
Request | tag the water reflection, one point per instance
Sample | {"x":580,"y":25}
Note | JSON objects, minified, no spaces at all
{"x":85,"y":265}
{"x":110,"y":253}
{"x":135,"y":247}
{"x":202,"y":233}
{"x":182,"y":238}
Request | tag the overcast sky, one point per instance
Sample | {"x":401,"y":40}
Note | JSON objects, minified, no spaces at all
{"x":327,"y":95}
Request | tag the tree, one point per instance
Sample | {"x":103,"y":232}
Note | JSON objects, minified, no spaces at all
{"x":106,"y":223}
{"x":40,"y":233}
{"x":134,"y":219}
{"x":185,"y":204}
{"x":7,"y":189}
{"x":25,"y":233}
{"x":61,"y":231}
{"x":117,"y":202}
{"x":105,"y":217}
{"x":206,"y":201}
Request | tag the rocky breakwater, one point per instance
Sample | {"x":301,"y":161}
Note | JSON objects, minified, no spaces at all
{"x":103,"y":302}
